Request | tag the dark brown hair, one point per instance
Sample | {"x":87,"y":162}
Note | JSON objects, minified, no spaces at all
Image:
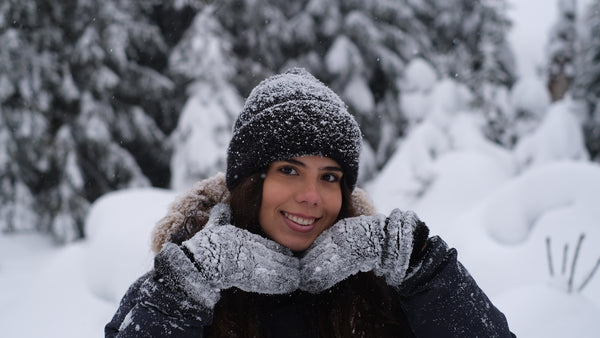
{"x":360,"y":306}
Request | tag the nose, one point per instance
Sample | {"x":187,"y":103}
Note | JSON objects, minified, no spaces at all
{"x":308,"y":193}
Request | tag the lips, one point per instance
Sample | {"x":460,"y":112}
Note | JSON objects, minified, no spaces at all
{"x":299,"y":223}
{"x":299,"y":220}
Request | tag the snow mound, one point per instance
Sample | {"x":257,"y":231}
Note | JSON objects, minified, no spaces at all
{"x":558,"y":137}
{"x":513,"y":211}
{"x":117,"y":248}
{"x":530,"y":310}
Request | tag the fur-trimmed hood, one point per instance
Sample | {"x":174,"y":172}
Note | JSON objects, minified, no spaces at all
{"x":199,"y":200}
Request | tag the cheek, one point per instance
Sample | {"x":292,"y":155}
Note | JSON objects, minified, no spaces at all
{"x":267,"y":195}
{"x":265,"y":216}
{"x":334,"y":203}
{"x":265,"y":205}
{"x":271,"y":198}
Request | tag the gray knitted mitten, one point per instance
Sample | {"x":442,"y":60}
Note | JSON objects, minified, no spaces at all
{"x":221,"y":256}
{"x":365,"y":243}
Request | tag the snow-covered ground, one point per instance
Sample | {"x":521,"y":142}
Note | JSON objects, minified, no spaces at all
{"x":499,"y":208}
{"x":72,"y":291}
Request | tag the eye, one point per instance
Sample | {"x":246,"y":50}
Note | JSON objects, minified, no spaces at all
{"x":331,"y":177}
{"x":288,"y":170}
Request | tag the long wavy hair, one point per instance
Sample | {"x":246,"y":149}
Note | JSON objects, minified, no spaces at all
{"x":360,"y":306}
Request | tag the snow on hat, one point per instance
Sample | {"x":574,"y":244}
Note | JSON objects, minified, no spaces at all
{"x":289,"y":115}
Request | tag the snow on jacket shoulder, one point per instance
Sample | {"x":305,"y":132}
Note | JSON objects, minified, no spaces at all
{"x":149,"y":310}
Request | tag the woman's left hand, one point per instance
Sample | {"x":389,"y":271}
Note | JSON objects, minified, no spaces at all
{"x":362,"y":243}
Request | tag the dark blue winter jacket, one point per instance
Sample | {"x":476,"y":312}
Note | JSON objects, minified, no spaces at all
{"x":440,"y":299}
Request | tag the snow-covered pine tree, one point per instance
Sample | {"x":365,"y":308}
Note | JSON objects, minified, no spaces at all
{"x":468,"y":44}
{"x":29,"y":72}
{"x":497,"y":73}
{"x":365,"y":61}
{"x":493,"y":51}
{"x":561,"y":50}
{"x":200,"y":140}
{"x":468,"y":40}
{"x":85,"y":104}
{"x":587,"y":80}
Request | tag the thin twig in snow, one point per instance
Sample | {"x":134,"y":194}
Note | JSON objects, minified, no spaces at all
{"x":581,"y":237}
{"x":564,"y":261}
{"x":589,"y":277}
{"x":549,"y":253}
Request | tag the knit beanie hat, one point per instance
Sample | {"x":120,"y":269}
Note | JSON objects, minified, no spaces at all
{"x":290,"y":115}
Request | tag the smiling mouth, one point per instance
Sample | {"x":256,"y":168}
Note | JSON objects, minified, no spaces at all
{"x":299,"y":220}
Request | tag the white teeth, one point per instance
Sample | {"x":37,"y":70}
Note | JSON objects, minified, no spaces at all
{"x":300,"y":220}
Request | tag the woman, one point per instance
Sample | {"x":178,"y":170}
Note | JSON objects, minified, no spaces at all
{"x":284,"y":245}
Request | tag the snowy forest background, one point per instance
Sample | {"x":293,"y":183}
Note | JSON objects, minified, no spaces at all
{"x":101,"y":96}
{"x":118,"y":95}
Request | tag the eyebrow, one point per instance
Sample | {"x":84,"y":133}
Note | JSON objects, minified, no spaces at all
{"x":301,"y":164}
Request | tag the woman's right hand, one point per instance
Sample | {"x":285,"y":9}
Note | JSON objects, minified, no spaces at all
{"x":222,"y":256}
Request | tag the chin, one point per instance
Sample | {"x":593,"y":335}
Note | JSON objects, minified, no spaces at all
{"x":296,"y":245}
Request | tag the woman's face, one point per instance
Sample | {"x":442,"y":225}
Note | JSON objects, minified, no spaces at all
{"x":301,"y":197}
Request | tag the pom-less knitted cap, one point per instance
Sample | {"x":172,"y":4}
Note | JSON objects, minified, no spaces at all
{"x":289,"y":115}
